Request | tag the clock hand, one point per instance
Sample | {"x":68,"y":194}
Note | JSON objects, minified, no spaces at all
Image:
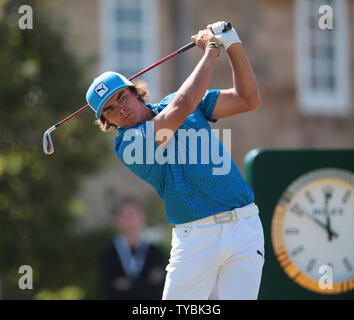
{"x":328,"y":194}
{"x":321,"y":224}
{"x":329,"y":228}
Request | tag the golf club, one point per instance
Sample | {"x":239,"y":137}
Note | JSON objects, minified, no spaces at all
{"x":48,"y":146}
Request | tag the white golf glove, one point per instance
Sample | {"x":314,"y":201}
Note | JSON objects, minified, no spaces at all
{"x":225,"y":39}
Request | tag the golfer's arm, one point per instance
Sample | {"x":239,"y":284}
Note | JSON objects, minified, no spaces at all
{"x":244,"y":96}
{"x":187,"y":97}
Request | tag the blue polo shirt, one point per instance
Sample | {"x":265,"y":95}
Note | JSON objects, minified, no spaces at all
{"x":193,"y":173}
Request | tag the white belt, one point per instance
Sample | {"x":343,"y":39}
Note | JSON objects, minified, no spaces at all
{"x":226,"y":216}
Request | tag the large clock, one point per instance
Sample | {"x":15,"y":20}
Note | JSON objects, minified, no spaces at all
{"x":312,"y":230}
{"x":306,"y":202}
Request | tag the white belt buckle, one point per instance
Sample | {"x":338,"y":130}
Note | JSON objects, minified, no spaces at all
{"x":224,"y":217}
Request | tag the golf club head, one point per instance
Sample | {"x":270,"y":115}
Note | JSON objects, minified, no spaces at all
{"x":48,"y":146}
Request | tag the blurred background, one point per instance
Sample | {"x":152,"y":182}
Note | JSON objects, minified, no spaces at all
{"x":56,"y":212}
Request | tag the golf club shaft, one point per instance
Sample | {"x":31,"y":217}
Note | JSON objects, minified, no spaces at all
{"x":181,"y":50}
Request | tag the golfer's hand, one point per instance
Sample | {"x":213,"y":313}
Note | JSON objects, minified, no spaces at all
{"x":226,"y":39}
{"x":203,"y":38}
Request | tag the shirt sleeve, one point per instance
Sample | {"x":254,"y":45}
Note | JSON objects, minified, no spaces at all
{"x":208,"y":103}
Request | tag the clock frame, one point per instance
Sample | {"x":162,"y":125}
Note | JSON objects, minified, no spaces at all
{"x":283,"y":207}
{"x":270,"y":172}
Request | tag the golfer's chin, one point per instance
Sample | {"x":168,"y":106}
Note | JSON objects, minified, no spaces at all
{"x":130,"y":121}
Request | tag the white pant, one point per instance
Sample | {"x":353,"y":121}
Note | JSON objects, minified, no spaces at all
{"x":216,"y":260}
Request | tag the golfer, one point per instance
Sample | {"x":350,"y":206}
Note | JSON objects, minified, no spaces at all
{"x":217,"y":240}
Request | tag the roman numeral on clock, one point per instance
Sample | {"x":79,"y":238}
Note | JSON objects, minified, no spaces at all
{"x":297,"y":250}
{"x":310,"y":265}
{"x":310,"y":198}
{"x":348,"y":264}
{"x":291,"y":231}
{"x":297,"y":210}
{"x":346,"y":196}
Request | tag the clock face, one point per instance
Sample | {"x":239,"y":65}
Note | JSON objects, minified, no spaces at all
{"x":313,"y":231}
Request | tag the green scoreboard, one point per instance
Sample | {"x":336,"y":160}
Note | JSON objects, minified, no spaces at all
{"x":306,"y":202}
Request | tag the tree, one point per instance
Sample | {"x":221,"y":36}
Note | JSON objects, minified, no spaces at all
{"x":41,"y":82}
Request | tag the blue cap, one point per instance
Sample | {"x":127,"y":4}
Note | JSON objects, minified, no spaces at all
{"x":103,"y":87}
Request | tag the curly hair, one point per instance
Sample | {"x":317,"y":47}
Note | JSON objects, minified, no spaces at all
{"x":139,"y":88}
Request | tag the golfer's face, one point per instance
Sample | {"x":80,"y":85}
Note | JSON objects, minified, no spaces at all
{"x":122,"y":109}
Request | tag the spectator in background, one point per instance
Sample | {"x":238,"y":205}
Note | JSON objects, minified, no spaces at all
{"x":129,"y":266}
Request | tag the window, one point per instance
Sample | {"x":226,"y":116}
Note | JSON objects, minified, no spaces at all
{"x":130,"y":39}
{"x":322,"y":59}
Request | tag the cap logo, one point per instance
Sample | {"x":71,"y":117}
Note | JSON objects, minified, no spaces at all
{"x":101,"y":89}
